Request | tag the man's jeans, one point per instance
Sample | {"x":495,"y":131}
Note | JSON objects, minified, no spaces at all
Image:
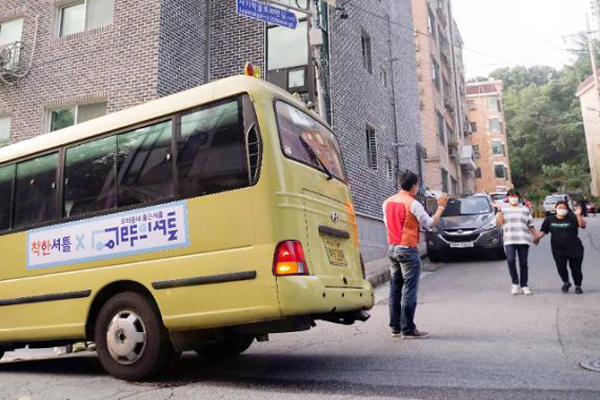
{"x":522,"y":250}
{"x":404,"y":284}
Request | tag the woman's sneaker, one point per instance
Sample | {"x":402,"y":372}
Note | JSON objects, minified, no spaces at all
{"x":415,"y":334}
{"x":578,"y":290}
{"x":516,"y":289}
{"x":526,"y":290}
{"x":565,"y":287}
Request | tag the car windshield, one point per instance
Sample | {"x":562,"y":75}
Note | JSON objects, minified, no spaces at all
{"x":302,"y":134}
{"x":498,"y":196}
{"x":467,"y":206}
{"x":555,"y":199}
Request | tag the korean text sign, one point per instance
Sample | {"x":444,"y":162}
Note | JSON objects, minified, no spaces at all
{"x":131,"y":232}
{"x":267,"y":13}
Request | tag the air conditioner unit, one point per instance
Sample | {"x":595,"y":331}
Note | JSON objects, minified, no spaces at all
{"x":9,"y":57}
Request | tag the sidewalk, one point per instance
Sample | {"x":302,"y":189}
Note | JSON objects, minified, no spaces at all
{"x":378,"y":271}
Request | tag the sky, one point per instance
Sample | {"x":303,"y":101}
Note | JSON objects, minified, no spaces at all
{"x":500,"y":33}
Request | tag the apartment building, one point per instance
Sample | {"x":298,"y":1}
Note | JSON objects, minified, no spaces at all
{"x":65,"y":62}
{"x":589,"y":99}
{"x":490,"y":144}
{"x":449,"y":163}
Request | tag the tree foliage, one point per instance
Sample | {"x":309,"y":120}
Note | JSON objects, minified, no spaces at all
{"x":545,"y":128}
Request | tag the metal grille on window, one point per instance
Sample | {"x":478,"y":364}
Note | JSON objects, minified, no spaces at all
{"x":371,"y":149}
{"x":254,"y":151}
{"x":366,"y":52}
{"x":389,"y":168}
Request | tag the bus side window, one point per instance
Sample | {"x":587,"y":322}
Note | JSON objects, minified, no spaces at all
{"x":7,"y":180}
{"x":35,"y":197}
{"x":144,"y":164}
{"x":90,"y":177}
{"x":211,"y":151}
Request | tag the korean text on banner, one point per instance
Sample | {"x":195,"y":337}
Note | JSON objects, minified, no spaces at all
{"x":267,"y":13}
{"x":131,"y":232}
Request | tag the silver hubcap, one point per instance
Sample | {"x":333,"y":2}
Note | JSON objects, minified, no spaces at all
{"x":126,"y":337}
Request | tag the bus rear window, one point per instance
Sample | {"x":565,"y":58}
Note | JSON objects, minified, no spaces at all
{"x":298,"y":131}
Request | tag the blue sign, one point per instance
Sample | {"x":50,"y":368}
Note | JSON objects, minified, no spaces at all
{"x":267,"y":13}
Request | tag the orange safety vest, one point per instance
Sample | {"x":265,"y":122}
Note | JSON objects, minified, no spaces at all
{"x":402,"y":226}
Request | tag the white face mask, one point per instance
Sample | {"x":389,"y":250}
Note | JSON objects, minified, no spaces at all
{"x":513,"y":200}
{"x":561,"y":212}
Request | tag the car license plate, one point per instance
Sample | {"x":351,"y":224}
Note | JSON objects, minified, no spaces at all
{"x":462,"y":245}
{"x":335,"y":254}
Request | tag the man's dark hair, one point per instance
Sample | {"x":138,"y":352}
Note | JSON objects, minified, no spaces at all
{"x":408,"y":180}
{"x":513,"y":192}
{"x":562,"y":203}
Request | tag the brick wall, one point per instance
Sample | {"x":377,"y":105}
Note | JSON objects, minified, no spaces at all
{"x":183,"y":45}
{"x":116,"y":63}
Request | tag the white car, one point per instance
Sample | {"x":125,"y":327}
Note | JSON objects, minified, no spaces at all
{"x":549,"y":205}
{"x":498,"y":197}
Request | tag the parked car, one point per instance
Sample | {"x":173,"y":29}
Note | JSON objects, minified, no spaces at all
{"x":498,"y":197}
{"x":549,"y":205}
{"x":468,"y":224}
{"x":591,"y":208}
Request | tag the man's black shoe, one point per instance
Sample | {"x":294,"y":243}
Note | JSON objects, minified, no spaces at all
{"x":415,"y":334}
{"x":565,"y":287}
{"x":578,"y":290}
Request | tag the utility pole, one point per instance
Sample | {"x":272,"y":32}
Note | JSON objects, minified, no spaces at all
{"x":316,"y":43}
{"x":593,"y":58}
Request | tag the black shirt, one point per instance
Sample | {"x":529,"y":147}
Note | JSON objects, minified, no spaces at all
{"x":565,"y":237}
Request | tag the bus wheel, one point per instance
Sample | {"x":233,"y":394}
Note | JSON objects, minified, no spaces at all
{"x":228,"y":348}
{"x":1,"y":353}
{"x":131,"y":341}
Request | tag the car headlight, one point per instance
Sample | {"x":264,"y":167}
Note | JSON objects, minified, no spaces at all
{"x":490,"y":225}
{"x":433,"y":230}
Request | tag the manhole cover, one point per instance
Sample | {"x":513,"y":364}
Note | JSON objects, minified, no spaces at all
{"x":593,"y":364}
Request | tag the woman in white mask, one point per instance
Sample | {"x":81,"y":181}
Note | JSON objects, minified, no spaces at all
{"x":566,"y":245}
{"x":518,"y":235}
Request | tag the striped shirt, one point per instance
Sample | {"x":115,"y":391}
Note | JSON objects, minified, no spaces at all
{"x":517,"y":221}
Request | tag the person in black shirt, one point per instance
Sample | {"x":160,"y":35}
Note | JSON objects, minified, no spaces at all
{"x":566,"y":245}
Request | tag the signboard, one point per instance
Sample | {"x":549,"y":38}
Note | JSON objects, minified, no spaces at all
{"x":267,"y":13}
{"x":142,"y":230}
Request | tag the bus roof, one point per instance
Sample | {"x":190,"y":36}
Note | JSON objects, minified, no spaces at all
{"x":256,"y":88}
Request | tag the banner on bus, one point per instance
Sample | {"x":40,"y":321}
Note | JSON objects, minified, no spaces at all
{"x":142,"y":230}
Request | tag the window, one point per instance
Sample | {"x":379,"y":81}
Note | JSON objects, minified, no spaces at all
{"x":7,"y":179}
{"x":431,"y":22}
{"x":305,"y":140}
{"x":86,"y":15}
{"x":384,"y":78}
{"x":435,"y":73}
{"x":440,"y":128}
{"x":495,"y":125}
{"x":389,"y":168}
{"x":10,"y":36}
{"x":476,"y":152}
{"x":4,"y":130}
{"x":211,"y":151}
{"x":473,"y":126}
{"x":500,"y":171}
{"x":371,"y":148}
{"x":35,"y":195}
{"x":454,"y":186}
{"x":90,"y":177}
{"x":493,"y":103}
{"x":478,"y":173}
{"x":444,"y":181}
{"x":367,"y":56}
{"x":472,"y":105}
{"x":287,"y":57}
{"x":144,"y":164}
{"x":497,"y":148}
{"x":65,"y":117}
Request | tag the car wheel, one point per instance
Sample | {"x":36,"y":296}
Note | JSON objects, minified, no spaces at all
{"x":434,"y":256}
{"x":500,"y":253}
{"x":229,"y":348}
{"x":131,"y":341}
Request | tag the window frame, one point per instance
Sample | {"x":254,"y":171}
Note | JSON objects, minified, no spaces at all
{"x":8,"y":117}
{"x":372,"y":159}
{"x":175,"y":117}
{"x":75,"y":113}
{"x":504,"y":170}
{"x":366,"y":46}
{"x":496,"y":142}
{"x":59,"y":17}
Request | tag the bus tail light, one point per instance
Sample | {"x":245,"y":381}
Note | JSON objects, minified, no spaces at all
{"x":289,"y":259}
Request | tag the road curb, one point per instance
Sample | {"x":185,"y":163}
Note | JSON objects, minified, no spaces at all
{"x":379,"y":270}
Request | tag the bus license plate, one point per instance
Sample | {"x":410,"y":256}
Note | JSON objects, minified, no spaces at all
{"x":462,"y":245}
{"x":335,"y":254}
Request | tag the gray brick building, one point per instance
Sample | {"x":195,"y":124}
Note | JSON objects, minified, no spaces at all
{"x":80,"y":59}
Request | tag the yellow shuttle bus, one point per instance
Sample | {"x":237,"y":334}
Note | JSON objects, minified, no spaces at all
{"x":201,"y":221}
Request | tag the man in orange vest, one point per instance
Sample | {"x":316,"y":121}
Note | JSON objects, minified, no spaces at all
{"x":403,"y":217}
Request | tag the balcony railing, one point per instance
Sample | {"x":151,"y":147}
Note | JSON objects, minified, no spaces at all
{"x":10,"y":56}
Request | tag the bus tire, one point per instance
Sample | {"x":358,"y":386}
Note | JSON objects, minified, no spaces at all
{"x":229,"y":348}
{"x":1,"y":353}
{"x":131,"y":341}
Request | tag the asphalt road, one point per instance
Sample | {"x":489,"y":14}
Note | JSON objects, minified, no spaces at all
{"x":484,"y":344}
